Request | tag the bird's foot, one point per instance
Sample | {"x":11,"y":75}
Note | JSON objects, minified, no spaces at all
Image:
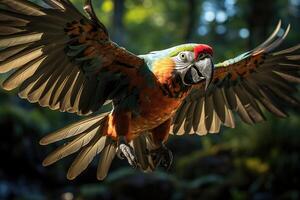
{"x":162,"y":157}
{"x":126,"y":151}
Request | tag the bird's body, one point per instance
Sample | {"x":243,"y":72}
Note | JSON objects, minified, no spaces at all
{"x":66,"y":61}
{"x":159,"y":97}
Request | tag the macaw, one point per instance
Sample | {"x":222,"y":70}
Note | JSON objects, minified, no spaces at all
{"x":65,"y":60}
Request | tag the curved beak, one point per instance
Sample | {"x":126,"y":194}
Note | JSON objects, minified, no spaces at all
{"x":206,"y":68}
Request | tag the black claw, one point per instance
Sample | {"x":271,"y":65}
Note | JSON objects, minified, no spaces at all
{"x":162,"y":157}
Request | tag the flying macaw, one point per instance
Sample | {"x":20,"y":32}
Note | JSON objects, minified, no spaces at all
{"x":64,"y":60}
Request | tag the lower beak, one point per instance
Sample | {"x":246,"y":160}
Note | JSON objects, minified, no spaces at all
{"x":206,"y":68}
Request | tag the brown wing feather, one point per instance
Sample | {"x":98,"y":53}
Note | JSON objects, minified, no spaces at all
{"x":58,"y":57}
{"x":245,"y":84}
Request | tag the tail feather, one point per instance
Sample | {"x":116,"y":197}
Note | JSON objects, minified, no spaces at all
{"x":79,"y":142}
{"x":73,"y":129}
{"x":142,"y":146}
{"x":91,"y":139}
{"x":139,"y":145}
{"x":87,"y":154}
{"x":106,"y":158}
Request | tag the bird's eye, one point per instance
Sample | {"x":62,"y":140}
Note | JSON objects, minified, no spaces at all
{"x":182,"y":56}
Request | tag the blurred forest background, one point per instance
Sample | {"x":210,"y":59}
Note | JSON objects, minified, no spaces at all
{"x":259,"y":162}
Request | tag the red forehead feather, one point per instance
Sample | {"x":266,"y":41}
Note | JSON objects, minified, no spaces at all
{"x":202,"y":48}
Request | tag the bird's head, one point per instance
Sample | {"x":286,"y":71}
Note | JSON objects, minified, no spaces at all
{"x":195,"y":65}
{"x":192,"y":63}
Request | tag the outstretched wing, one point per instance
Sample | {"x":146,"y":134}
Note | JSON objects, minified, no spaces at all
{"x":60,"y":58}
{"x":245,"y":84}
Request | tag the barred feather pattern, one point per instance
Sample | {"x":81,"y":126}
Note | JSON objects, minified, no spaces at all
{"x":259,"y":79}
{"x":56,"y":56}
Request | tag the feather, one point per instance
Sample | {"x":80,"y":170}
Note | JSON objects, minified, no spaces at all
{"x":242,"y":112}
{"x":106,"y":159}
{"x":71,"y":147}
{"x":25,"y":7}
{"x":78,"y":96}
{"x":140,"y":147}
{"x":270,"y":39}
{"x":269,"y":102}
{"x":87,"y":154}
{"x":189,"y":118}
{"x":17,"y":39}
{"x":277,"y":42}
{"x":88,"y":94}
{"x":230,"y":98}
{"x":287,"y":51}
{"x":20,"y":59}
{"x":249,"y":104}
{"x":11,"y":51}
{"x":201,"y":130}
{"x":76,"y":88}
{"x":73,"y":129}
{"x":6,"y":30}
{"x":54,"y":4}
{"x":52,"y":81}
{"x":219,"y":105}
{"x":209,"y":111}
{"x":274,"y":80}
{"x":284,"y":96}
{"x":289,"y":77}
{"x":60,"y":80}
{"x":215,"y":124}
{"x":197,"y":114}
{"x":229,"y":120}
{"x":15,"y":79}
{"x":12,"y":19}
{"x":63,"y":79}
{"x":293,"y":57}
{"x":42,"y":87}
{"x":180,"y":116}
{"x":35,"y":85}
{"x":66,"y":103}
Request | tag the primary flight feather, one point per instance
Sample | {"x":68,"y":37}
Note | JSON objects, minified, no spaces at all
{"x":64,"y":60}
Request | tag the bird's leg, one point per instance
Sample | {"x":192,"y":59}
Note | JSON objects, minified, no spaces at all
{"x":161,"y":156}
{"x":119,"y":127}
{"x":124,"y":150}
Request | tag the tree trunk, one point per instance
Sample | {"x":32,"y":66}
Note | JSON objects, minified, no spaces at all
{"x":259,"y":20}
{"x":118,"y":26}
{"x":192,"y":12}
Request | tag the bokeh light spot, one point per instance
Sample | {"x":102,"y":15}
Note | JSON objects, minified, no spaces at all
{"x":220,"y":29}
{"x":244,"y":33}
{"x":202,"y":30}
{"x":221,"y":17}
{"x":209,"y":16}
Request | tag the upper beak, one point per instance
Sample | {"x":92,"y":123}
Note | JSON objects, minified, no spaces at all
{"x":206,"y":68}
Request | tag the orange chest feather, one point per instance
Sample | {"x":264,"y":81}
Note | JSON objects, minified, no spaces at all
{"x":155,"y":108}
